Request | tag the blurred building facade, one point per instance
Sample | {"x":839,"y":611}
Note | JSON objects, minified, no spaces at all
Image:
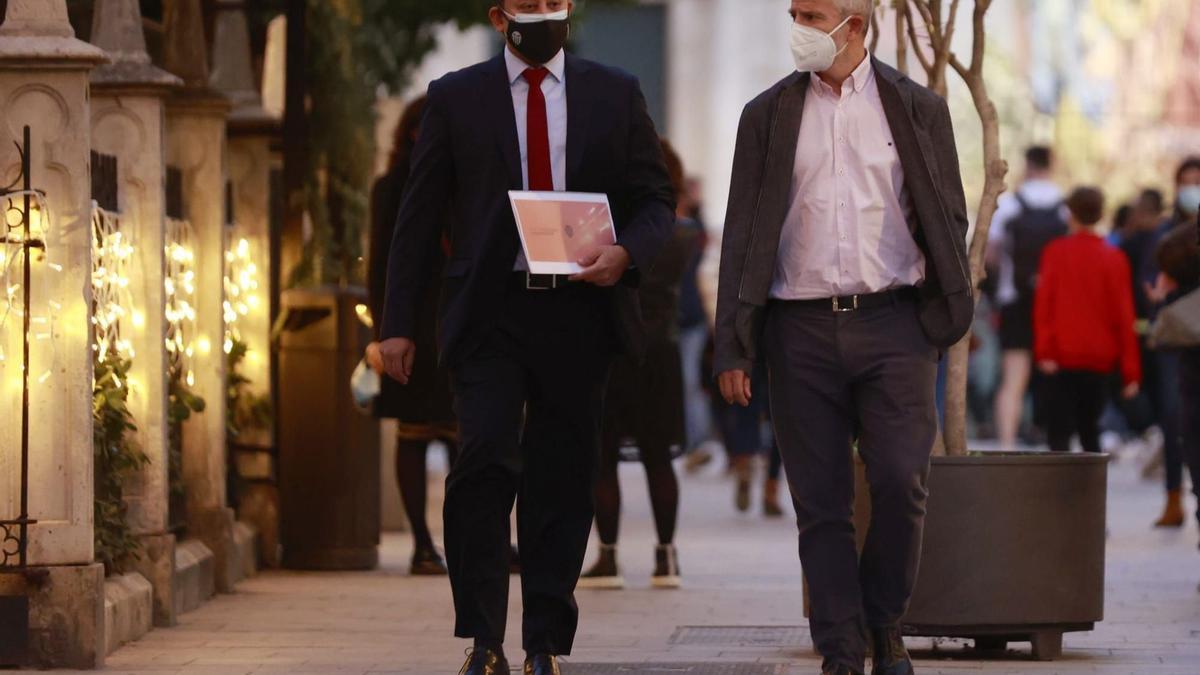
{"x":1105,"y":82}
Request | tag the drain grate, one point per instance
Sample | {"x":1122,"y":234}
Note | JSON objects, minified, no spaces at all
{"x":740,"y":636}
{"x":672,"y":668}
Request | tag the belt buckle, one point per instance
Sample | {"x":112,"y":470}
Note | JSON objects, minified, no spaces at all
{"x":530,"y":286}
{"x":837,"y":304}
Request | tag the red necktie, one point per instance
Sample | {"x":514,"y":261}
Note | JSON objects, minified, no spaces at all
{"x":537,"y":133}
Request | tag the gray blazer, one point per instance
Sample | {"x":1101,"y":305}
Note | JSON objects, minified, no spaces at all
{"x":758,"y":202}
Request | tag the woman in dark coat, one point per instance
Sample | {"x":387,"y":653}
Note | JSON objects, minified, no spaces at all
{"x":643,"y":407}
{"x":423,"y":408}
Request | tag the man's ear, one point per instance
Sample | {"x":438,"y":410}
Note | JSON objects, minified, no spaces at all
{"x":497,"y":18}
{"x":859,"y":26}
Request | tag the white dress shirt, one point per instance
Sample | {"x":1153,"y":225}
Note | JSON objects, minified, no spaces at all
{"x":846,"y":230}
{"x":554,"y":88}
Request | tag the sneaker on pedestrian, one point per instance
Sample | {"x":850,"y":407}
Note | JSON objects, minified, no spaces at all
{"x":666,"y":567}
{"x":427,"y":562}
{"x":604,"y":574}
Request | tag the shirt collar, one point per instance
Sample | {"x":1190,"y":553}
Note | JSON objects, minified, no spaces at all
{"x":517,"y":67}
{"x":858,"y":80}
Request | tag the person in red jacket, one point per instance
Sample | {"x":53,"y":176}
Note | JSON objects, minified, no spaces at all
{"x":1084,"y":325}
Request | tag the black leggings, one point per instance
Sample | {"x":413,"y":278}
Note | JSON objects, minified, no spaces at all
{"x":1075,"y":402}
{"x":660,"y":478}
{"x":413,"y":479}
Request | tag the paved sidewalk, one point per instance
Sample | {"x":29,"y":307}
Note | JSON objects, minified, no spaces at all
{"x":739,"y":570}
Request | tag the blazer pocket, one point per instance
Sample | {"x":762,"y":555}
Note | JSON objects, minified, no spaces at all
{"x":456,"y":269}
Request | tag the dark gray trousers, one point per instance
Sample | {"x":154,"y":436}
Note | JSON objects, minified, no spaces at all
{"x":834,"y":377}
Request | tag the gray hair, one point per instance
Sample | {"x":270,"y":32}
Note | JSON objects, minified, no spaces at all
{"x":863,"y":8}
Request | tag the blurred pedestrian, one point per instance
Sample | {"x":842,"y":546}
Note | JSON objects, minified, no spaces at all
{"x":1167,"y":367}
{"x":1177,"y":328}
{"x":1120,"y":224}
{"x":1083,"y":325}
{"x":528,"y":353}
{"x":742,"y":433}
{"x":842,"y":264}
{"x":1025,"y":222}
{"x":644,"y":409}
{"x":694,"y":331}
{"x":1138,"y":243}
{"x":424,"y":411}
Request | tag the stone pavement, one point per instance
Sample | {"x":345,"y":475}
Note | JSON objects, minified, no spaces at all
{"x":739,"y":571}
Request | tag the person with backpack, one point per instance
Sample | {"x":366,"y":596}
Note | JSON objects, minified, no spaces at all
{"x":1026,"y":221}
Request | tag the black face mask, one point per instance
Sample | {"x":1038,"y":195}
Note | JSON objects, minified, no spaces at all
{"x":538,"y":41}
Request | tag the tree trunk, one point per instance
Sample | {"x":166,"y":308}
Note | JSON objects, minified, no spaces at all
{"x":995,"y":169}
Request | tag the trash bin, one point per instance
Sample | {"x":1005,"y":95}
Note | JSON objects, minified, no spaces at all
{"x":329,"y":480}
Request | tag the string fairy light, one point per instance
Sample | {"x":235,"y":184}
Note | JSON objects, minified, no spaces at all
{"x":180,"y":310}
{"x":241,"y":289}
{"x":13,"y":250}
{"x":112,"y":257}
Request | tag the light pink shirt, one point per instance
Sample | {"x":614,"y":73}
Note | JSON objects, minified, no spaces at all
{"x":846,"y":230}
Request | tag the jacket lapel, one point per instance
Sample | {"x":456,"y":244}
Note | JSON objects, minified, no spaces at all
{"x":783,"y":135}
{"x":898,"y":109}
{"x":578,"y":110}
{"x":499,"y":102}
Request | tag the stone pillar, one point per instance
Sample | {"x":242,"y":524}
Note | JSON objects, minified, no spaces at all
{"x":251,"y":129}
{"x":127,"y":122}
{"x":196,"y":145}
{"x":44,"y":84}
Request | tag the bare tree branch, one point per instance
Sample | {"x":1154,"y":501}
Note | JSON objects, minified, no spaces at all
{"x":981,"y":8}
{"x":912,"y":36}
{"x":950,"y":23}
{"x":876,"y":22}
{"x":901,"y":9}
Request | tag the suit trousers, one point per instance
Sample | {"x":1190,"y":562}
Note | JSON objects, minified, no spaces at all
{"x":528,"y":401}
{"x":834,"y":377}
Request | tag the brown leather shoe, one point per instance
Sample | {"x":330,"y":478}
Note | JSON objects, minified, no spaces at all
{"x":542,"y":664}
{"x":484,"y":662}
{"x":889,"y":655}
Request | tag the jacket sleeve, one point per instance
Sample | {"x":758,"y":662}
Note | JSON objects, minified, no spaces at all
{"x":744,"y":186}
{"x":419,"y":221}
{"x":651,"y":197}
{"x":1044,"y":309}
{"x":952,"y":185}
{"x":1121,"y":290}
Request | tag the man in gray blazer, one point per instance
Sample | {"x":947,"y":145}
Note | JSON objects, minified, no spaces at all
{"x":844,"y":266}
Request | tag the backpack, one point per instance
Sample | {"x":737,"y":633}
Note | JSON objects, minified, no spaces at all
{"x":1028,"y":234}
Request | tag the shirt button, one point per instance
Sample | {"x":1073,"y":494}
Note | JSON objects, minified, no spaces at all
{"x":841,"y":172}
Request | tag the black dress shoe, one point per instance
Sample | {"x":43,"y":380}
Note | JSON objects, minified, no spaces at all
{"x":890,"y":656}
{"x":484,"y":662}
{"x":542,"y":664}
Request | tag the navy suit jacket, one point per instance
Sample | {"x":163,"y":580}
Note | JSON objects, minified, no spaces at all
{"x":466,"y":160}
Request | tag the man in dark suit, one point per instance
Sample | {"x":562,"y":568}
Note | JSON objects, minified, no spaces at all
{"x":528,"y":354}
{"x":844,"y":264}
